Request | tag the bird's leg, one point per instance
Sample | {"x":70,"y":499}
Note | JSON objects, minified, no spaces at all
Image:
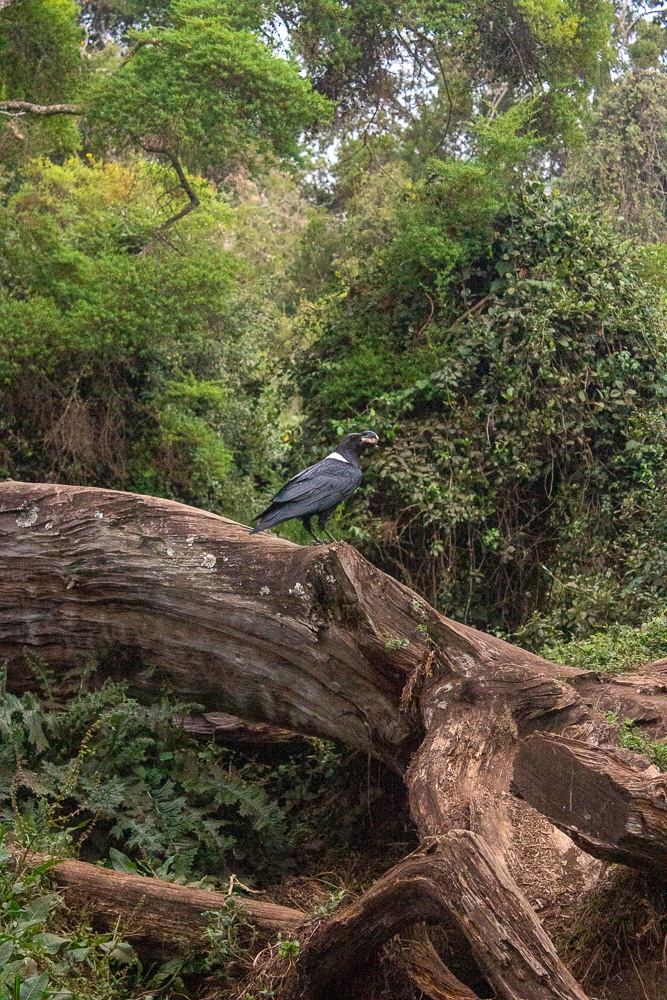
{"x":309,"y":528}
{"x":322,"y":525}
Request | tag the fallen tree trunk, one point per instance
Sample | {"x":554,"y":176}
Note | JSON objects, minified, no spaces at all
{"x":610,"y":806}
{"x":153,"y":911}
{"x":427,"y":970}
{"x":165,"y":915}
{"x":318,"y":641}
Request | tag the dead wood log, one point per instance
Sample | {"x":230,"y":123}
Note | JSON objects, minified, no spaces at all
{"x":427,"y":970}
{"x":461,"y":882}
{"x":167,"y":916}
{"x":318,"y":641}
{"x":640,"y":696}
{"x":162,"y":911}
{"x":232,"y":731}
{"x":157,"y":912}
{"x":613,"y":808}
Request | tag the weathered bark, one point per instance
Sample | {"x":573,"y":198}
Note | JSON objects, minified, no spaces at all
{"x":612,"y":807}
{"x":639,"y":697}
{"x":256,"y":626}
{"x":318,"y":641}
{"x":163,"y":915}
{"x":230,"y":730}
{"x":44,"y":110}
{"x":155,"y":912}
{"x":461,"y":882}
{"x":427,"y":970}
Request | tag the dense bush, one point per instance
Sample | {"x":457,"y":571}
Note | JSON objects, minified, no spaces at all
{"x":127,"y":366}
{"x":524,"y":420}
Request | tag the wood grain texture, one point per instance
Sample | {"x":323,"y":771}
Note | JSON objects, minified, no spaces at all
{"x":161,"y":911}
{"x":612,"y":807}
{"x":312,"y":639}
{"x":427,"y":970}
{"x":233,"y":731}
{"x":460,"y":881}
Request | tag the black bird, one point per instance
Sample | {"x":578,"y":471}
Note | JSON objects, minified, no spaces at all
{"x":319,"y":488}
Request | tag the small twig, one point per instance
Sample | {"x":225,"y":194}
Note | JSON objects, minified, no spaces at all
{"x":132,"y":51}
{"x":470,"y":312}
{"x":495,"y":103}
{"x":233,"y":882}
{"x":428,"y":321}
{"x":13,"y":126}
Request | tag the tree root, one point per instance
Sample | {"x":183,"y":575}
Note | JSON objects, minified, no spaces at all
{"x":458,"y":881}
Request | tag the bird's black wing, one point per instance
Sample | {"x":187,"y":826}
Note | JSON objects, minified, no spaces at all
{"x":318,"y":488}
{"x":330,"y":476}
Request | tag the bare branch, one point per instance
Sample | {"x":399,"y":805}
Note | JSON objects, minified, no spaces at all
{"x":141,"y":44}
{"x":13,"y":127}
{"x":460,"y":882}
{"x":162,"y":912}
{"x":182,"y":180}
{"x":25,"y":107}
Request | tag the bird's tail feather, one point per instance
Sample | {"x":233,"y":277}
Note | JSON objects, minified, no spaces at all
{"x":268,"y":519}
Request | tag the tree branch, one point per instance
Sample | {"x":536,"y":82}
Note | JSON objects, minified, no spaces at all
{"x":45,"y":110}
{"x":182,"y":180}
{"x":319,"y":641}
{"x":160,"y":913}
{"x":612,"y":808}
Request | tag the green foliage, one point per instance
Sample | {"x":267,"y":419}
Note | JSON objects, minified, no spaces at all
{"x":506,"y":338}
{"x":230,"y":936}
{"x":142,"y":371}
{"x":616,"y":649}
{"x":624,"y":162}
{"x":287,"y":948}
{"x":204,"y":90}
{"x":632,"y":738}
{"x":39,"y":58}
{"x":377,"y":55}
{"x":649,"y":45}
{"x":162,"y":803}
{"x":153,"y":790}
{"x":521,"y":435}
{"x":45,"y":950}
{"x":40,"y":62}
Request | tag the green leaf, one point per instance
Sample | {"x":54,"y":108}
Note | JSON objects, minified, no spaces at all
{"x":167,"y":971}
{"x":121,"y":863}
{"x":123,"y":952}
{"x":50,"y":942}
{"x":79,"y":954}
{"x":39,"y":909}
{"x":6,"y":953}
{"x":35,"y":987}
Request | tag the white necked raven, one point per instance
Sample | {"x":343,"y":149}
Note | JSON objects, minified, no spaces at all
{"x":319,"y":488}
